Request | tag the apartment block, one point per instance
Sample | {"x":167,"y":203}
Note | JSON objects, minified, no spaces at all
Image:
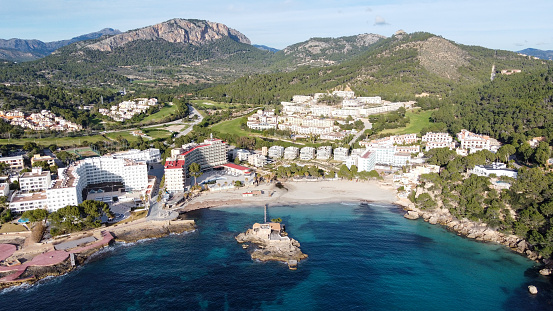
{"x":290,"y":153}
{"x":35,"y":180}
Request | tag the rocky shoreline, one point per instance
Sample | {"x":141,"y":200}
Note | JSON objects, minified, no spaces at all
{"x":469,"y":229}
{"x":129,"y":234}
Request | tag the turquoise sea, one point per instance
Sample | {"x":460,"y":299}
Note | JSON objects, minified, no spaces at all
{"x":361,"y":257}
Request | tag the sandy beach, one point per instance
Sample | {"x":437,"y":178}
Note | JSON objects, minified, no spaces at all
{"x":296,"y":192}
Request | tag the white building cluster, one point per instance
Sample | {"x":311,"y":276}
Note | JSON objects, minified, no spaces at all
{"x":127,"y":109}
{"x":306,"y":115}
{"x":474,"y":142}
{"x":45,"y":120}
{"x":68,"y":188}
{"x":438,"y":140}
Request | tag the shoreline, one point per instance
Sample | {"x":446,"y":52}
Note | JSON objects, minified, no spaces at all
{"x":28,"y":273}
{"x":292,"y":193}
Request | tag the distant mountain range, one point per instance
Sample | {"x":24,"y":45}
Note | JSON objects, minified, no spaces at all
{"x":26,"y":50}
{"x":547,"y":55}
{"x":199,"y":52}
{"x":184,"y":51}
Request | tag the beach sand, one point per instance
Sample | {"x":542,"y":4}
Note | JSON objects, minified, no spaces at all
{"x":296,"y":192}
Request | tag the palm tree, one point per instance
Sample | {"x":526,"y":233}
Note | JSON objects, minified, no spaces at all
{"x":195,"y":170}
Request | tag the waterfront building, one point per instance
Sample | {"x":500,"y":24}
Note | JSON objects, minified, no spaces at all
{"x":307,"y":153}
{"x":276,"y":152}
{"x":341,"y":153}
{"x":35,"y":180}
{"x":257,"y":160}
{"x":366,"y":161}
{"x":324,"y":152}
{"x":212,"y":153}
{"x":290,"y":153}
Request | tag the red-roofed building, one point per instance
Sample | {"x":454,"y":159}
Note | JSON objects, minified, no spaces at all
{"x":211,"y":153}
{"x":237,"y":169}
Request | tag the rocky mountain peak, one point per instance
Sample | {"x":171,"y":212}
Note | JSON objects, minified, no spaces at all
{"x":196,"y":32}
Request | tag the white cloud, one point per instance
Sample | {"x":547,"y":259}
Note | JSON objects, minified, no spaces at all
{"x":380,"y":21}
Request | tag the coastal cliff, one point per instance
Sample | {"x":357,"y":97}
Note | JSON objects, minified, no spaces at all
{"x":272,"y":244}
{"x":469,"y":229}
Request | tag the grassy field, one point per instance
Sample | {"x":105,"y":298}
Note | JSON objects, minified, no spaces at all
{"x":162,"y":113}
{"x":60,"y":141}
{"x":9,"y":227}
{"x":125,"y":134}
{"x":209,"y":104}
{"x":230,"y":127}
{"x":418,"y":120}
{"x":157,"y":133}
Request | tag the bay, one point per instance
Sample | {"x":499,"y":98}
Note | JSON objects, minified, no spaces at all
{"x":361,"y":257}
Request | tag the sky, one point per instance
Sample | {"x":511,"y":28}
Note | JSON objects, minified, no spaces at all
{"x":496,"y":24}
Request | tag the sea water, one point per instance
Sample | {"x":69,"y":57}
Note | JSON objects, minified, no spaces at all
{"x":361,"y":257}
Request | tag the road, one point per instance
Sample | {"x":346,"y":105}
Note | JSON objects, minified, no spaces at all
{"x":198,"y":120}
{"x":367,"y":125}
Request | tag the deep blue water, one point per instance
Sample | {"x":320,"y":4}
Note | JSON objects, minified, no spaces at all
{"x":360,"y":258}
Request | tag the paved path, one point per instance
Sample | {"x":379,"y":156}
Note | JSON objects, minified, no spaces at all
{"x":6,"y":250}
{"x":48,"y":259}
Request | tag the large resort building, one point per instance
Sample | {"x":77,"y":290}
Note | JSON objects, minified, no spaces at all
{"x":213,"y":152}
{"x":68,"y":188}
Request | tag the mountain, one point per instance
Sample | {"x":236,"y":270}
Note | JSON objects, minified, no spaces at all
{"x":265,"y":48}
{"x":402,"y":67}
{"x":324,"y":51}
{"x":547,"y":55}
{"x":194,"y":32}
{"x":26,"y":50}
{"x":179,"y":51}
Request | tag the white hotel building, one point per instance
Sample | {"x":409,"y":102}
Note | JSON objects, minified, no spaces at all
{"x":68,"y":188}
{"x":213,"y":152}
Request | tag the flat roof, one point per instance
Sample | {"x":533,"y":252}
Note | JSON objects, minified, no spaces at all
{"x":29,"y":197}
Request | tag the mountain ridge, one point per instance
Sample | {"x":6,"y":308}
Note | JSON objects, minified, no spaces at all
{"x":16,"y":49}
{"x":177,"y":30}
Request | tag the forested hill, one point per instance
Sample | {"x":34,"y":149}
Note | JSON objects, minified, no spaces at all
{"x":511,"y":108}
{"x":396,"y":68}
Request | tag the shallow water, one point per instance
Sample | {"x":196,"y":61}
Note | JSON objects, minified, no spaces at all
{"x":360,"y":258}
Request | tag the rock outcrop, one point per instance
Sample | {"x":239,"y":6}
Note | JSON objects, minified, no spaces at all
{"x":532,"y":289}
{"x":271,"y":249}
{"x":177,"y":30}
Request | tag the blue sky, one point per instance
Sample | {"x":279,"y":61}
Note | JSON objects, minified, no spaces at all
{"x":498,"y":24}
